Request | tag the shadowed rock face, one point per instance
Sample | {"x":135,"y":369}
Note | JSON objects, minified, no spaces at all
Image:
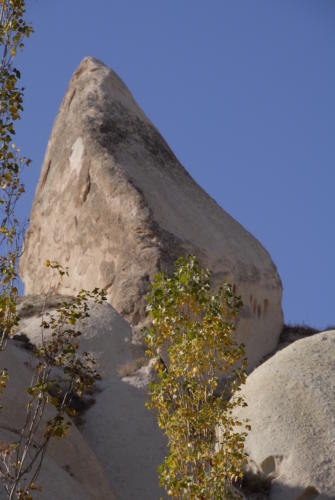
{"x":114,"y":204}
{"x":70,"y":469}
{"x":122,"y":434}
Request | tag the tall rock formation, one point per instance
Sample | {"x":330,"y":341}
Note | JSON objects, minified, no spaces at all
{"x":114,"y":204}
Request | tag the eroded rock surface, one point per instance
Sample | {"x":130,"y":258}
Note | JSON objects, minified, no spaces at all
{"x":117,"y":427}
{"x":114,"y":204}
{"x":71,"y":469}
{"x":291,"y":408}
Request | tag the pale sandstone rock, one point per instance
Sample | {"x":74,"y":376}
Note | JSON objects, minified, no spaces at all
{"x":121,"y":432}
{"x":291,"y":408}
{"x":114,"y":204}
{"x":71,"y":470}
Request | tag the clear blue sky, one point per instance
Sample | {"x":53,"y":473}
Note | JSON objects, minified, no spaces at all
{"x":244,"y":93}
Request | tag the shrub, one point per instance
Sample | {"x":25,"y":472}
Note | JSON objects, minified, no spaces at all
{"x":62,"y":374}
{"x":21,"y":461}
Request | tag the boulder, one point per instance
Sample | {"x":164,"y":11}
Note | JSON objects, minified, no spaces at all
{"x":291,"y":408}
{"x":114,"y":204}
{"x":117,"y":427}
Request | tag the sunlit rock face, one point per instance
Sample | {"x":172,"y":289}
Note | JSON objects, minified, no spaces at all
{"x":291,"y":410}
{"x":114,"y":204}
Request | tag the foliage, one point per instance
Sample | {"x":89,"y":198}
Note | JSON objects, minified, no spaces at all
{"x":192,"y":346}
{"x":61,"y":371}
{"x":13,"y":31}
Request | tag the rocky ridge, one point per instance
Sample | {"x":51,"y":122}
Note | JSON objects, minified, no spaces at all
{"x":114,"y":204}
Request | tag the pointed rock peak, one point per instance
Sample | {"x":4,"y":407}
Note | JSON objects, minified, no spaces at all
{"x":114,"y":204}
{"x":90,"y":65}
{"x":90,"y":62}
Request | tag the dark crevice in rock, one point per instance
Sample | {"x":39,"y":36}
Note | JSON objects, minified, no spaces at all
{"x":87,"y":188}
{"x":34,"y":305}
{"x":71,"y":98}
{"x":45,"y":176}
{"x":68,"y":470}
{"x":290,"y":334}
{"x":309,"y":493}
{"x":108,"y":287}
{"x":255,"y":485}
{"x":21,"y":340}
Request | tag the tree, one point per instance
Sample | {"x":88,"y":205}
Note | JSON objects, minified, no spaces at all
{"x":61,"y":370}
{"x":13,"y":31}
{"x":192,"y":346}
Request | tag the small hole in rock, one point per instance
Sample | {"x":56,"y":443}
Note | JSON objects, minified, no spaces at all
{"x":268,"y":465}
{"x":309,"y":494}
